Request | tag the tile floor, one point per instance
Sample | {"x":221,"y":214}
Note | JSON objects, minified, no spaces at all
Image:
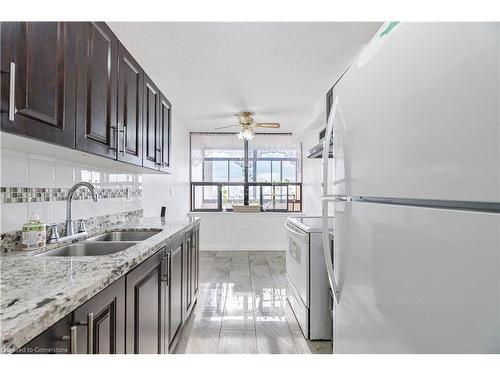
{"x":242,"y":308}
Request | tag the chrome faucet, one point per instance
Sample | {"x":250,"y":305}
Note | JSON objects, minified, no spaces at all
{"x":70,"y":231}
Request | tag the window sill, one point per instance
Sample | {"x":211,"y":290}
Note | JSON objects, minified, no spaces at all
{"x":222,"y":213}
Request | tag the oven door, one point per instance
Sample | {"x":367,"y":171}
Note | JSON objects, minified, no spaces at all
{"x":297,"y":261}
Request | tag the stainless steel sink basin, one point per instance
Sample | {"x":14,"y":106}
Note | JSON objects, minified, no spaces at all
{"x":125,"y":235}
{"x":84,"y":249}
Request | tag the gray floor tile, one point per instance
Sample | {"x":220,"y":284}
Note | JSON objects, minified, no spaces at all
{"x":237,"y":342}
{"x":242,"y":307}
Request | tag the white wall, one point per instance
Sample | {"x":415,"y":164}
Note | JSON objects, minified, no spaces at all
{"x":243,"y":231}
{"x":172,"y":190}
{"x":308,"y":133}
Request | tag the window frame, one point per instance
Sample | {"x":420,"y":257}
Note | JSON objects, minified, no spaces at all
{"x":246,"y":183}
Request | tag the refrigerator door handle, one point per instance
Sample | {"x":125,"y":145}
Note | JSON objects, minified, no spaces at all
{"x":326,"y":198}
{"x":326,"y":252}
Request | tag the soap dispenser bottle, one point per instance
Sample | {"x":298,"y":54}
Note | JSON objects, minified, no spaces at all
{"x":33,"y":233}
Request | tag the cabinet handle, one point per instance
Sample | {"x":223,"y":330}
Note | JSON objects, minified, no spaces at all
{"x":90,"y":332}
{"x":124,"y":131}
{"x":72,"y":338}
{"x":169,"y":268}
{"x":12,"y":92}
{"x":158,"y":150}
{"x":164,"y":268}
{"x":115,"y":132}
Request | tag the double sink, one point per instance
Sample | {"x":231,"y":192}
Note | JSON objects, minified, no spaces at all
{"x":103,"y":244}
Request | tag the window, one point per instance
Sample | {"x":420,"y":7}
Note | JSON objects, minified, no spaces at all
{"x":227,"y":171}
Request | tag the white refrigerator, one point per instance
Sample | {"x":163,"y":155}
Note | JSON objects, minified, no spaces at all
{"x":416,"y":192}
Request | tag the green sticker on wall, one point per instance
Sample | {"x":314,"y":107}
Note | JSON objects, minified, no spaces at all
{"x":388,"y":29}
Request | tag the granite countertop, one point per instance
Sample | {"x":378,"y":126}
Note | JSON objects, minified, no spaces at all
{"x":38,"y":291}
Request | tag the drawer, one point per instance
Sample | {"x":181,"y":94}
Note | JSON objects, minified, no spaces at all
{"x":300,"y":311}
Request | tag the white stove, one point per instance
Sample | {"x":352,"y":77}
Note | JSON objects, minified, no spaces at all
{"x":307,"y":280}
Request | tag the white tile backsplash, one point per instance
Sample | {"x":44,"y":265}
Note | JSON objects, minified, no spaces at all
{"x":44,"y":209}
{"x":14,"y":215}
{"x":31,"y":170}
{"x":14,"y":169}
{"x":64,"y":176}
{"x":40,"y":173}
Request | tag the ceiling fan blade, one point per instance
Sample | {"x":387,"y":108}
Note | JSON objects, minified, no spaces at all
{"x":270,"y":125}
{"x":225,"y":127}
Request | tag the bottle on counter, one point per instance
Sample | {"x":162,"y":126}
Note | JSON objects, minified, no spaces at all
{"x":33,"y":233}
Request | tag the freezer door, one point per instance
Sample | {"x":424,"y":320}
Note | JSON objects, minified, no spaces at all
{"x":419,"y":115}
{"x":416,"y":280}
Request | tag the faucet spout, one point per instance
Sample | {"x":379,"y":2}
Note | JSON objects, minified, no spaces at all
{"x":69,"y":222}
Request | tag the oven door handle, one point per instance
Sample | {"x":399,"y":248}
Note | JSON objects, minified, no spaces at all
{"x":297,"y":232}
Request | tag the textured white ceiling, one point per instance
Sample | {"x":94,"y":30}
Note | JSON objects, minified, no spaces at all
{"x":212,"y":70}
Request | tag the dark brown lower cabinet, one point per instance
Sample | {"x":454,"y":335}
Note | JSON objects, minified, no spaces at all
{"x":196,"y":261}
{"x":176,"y":253}
{"x":104,"y":314}
{"x":191,"y":271}
{"x":54,"y":340}
{"x":142,"y":312}
{"x":188,"y":272}
{"x":146,"y":312}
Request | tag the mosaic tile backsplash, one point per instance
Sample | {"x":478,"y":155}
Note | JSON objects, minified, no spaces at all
{"x":25,"y":194}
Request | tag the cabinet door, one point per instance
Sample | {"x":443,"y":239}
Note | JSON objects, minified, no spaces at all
{"x":145,"y":306}
{"x":165,"y":132}
{"x":176,"y":251}
{"x":151,"y":129}
{"x":54,"y":340}
{"x":96,"y":125}
{"x":105,"y":313}
{"x":188,"y":272}
{"x":38,"y":64}
{"x":130,"y":88}
{"x":196,"y":259}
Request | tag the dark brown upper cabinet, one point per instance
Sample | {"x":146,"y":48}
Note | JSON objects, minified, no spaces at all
{"x":38,"y":65}
{"x":151,"y":128}
{"x":96,"y":117}
{"x":165,"y":134}
{"x":130,"y":90}
{"x":73,"y":84}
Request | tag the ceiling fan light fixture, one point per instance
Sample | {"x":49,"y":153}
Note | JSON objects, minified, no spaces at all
{"x":246,"y":134}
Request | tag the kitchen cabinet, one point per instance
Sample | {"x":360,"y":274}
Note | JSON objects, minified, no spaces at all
{"x":73,"y":84}
{"x":176,"y":252}
{"x":165,"y":134}
{"x":130,"y":90}
{"x":188,"y":272}
{"x":151,"y":128}
{"x":104,"y":314}
{"x":196,"y":260}
{"x":142,"y":312}
{"x":38,"y":83}
{"x":96,"y":115}
{"x":191,"y":270}
{"x":147,"y":311}
{"x":55,"y":340}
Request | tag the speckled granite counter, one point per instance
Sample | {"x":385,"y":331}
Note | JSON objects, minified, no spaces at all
{"x":38,"y":291}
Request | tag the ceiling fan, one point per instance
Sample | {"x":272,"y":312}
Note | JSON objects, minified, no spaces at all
{"x":247,"y":125}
